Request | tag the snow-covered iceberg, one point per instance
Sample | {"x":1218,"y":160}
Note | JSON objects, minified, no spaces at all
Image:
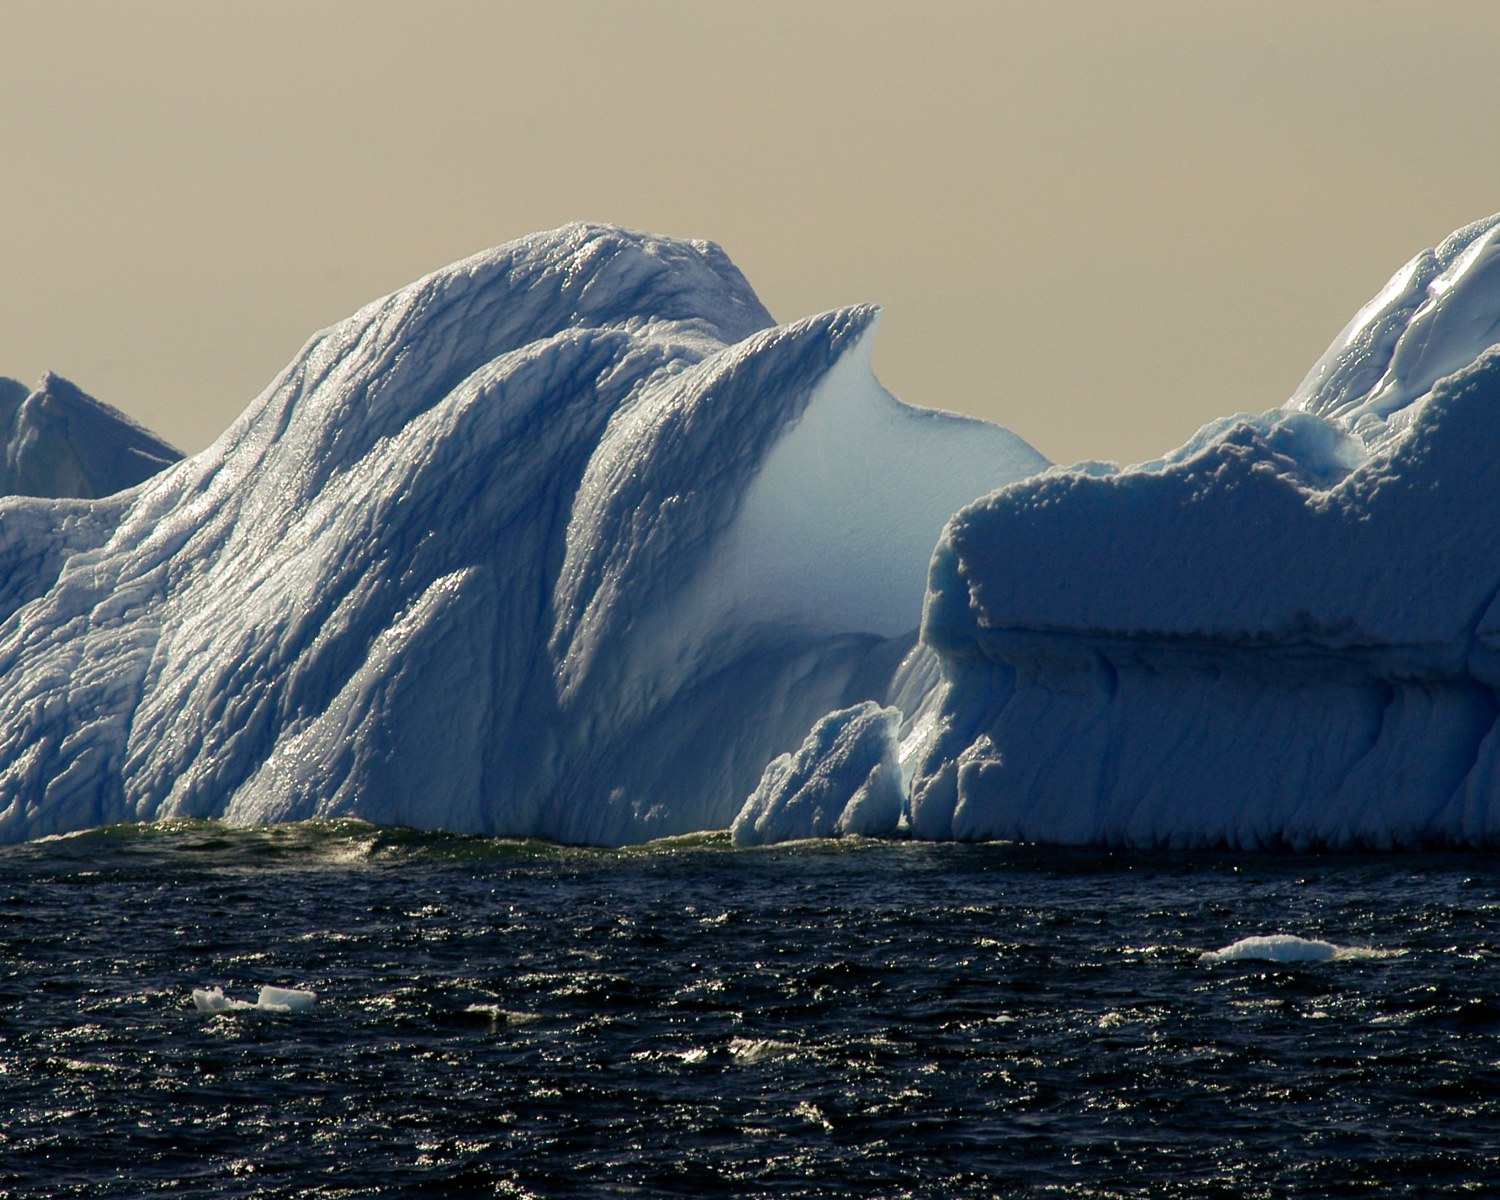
{"x":568,"y":540}
{"x":1285,"y":633}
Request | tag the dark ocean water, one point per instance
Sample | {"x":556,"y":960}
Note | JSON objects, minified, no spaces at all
{"x":837,"y":1019}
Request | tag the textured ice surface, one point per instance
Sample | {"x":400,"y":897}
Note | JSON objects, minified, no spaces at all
{"x":1285,"y":633}
{"x":270,"y":999}
{"x":845,"y":779}
{"x":61,"y":442}
{"x":1435,"y":316}
{"x":568,"y":540}
{"x":1275,"y":947}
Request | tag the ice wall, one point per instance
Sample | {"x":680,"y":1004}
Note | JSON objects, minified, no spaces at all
{"x":572,"y":540}
{"x":1285,"y":633}
{"x":507,"y":551}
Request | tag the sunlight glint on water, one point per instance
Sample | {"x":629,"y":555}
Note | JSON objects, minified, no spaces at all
{"x":822,"y":1019}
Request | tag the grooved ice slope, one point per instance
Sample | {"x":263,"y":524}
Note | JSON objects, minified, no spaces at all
{"x":1284,"y":633}
{"x":568,"y":539}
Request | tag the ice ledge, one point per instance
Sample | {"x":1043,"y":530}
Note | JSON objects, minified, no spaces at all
{"x":1231,"y":548}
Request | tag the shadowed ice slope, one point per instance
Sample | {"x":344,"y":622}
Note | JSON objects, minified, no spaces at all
{"x":59,"y":441}
{"x":1284,"y":633}
{"x":568,"y":539}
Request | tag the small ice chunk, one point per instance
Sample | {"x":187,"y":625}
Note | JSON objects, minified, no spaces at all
{"x":496,"y":1017}
{"x":214,"y":1000}
{"x":275,"y":999}
{"x":753,"y":1050}
{"x":1276,"y":947}
{"x":270,"y":999}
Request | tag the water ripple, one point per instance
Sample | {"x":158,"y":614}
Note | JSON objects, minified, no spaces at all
{"x":516,"y":1019}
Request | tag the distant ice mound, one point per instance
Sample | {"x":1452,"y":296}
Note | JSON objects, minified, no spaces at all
{"x":61,"y":442}
{"x":1284,"y":634}
{"x":1289,"y":948}
{"x":566,"y":540}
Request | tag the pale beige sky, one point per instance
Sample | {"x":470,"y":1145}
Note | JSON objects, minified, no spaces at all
{"x":1098,"y":223}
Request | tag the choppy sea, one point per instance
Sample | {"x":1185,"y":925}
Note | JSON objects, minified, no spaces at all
{"x":515,"y":1019}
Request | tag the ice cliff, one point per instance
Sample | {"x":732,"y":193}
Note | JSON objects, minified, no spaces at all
{"x":567,"y":540}
{"x":1284,"y":634}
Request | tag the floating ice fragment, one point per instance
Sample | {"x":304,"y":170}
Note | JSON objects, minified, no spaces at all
{"x":754,"y":1050}
{"x":1276,"y":947}
{"x":814,"y":1115}
{"x":496,"y":1017}
{"x":270,"y":999}
{"x":741,"y":1052}
{"x":275,"y":999}
{"x":214,"y":1000}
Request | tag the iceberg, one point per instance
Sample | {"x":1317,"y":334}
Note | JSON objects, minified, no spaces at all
{"x":60,"y":442}
{"x":1286,"y":633}
{"x":572,"y":540}
{"x":568,"y":540}
{"x":845,"y":779}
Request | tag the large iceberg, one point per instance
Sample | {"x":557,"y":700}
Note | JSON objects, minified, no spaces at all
{"x":568,"y":540}
{"x":1284,"y":634}
{"x":572,"y":540}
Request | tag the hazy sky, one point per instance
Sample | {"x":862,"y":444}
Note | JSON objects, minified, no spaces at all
{"x":1100,"y":224}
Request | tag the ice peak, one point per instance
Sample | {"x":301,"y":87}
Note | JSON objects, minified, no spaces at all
{"x":61,"y":442}
{"x":1434,"y":317}
{"x":12,"y":393}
